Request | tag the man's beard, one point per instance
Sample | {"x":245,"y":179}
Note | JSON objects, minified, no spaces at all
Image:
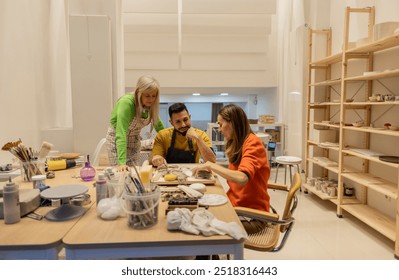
{"x":183,"y":133}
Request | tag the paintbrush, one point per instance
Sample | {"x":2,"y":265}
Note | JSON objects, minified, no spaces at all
{"x":44,"y":150}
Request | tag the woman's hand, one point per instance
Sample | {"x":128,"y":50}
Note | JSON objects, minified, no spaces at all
{"x":205,"y":166}
{"x":121,"y":168}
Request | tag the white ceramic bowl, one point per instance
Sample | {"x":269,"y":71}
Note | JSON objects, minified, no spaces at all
{"x":385,"y":29}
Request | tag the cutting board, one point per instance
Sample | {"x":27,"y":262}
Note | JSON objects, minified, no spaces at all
{"x":190,"y":180}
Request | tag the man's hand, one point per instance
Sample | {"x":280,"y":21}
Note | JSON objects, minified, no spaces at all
{"x":158,"y":161}
{"x":192,"y":134}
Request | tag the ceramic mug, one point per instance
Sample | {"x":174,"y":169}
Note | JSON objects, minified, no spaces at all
{"x":378,"y":97}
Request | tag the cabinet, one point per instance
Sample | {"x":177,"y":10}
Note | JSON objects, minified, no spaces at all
{"x":340,"y":97}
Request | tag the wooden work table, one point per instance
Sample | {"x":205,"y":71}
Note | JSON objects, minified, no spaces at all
{"x":94,"y":238}
{"x":90,"y":237}
{"x":34,"y":239}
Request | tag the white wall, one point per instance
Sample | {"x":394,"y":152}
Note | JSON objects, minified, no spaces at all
{"x":35,"y":84}
{"x":33,"y":71}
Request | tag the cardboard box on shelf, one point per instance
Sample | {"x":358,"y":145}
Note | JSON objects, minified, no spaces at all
{"x":267,"y":119}
{"x":274,"y":133}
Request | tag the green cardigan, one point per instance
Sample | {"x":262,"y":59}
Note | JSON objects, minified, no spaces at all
{"x":121,"y":116}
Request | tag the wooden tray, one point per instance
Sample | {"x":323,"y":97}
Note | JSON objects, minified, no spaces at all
{"x":190,"y":180}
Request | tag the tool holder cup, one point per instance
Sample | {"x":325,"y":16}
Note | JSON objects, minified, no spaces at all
{"x":31,"y":168}
{"x":141,"y":208}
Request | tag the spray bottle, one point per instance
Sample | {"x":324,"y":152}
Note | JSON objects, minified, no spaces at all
{"x":11,"y":208}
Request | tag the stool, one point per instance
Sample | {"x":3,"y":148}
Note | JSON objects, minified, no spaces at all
{"x":287,"y":161}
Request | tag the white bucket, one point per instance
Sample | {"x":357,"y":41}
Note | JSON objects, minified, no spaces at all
{"x":141,"y":209}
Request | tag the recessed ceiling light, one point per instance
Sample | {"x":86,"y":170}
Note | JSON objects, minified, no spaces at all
{"x":196,"y":93}
{"x":224,"y":93}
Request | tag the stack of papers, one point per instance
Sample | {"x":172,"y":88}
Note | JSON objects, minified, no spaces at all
{"x":329,"y":144}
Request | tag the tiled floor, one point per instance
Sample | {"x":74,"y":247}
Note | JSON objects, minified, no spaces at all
{"x":320,"y":235}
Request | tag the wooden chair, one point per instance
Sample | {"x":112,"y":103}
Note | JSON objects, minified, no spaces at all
{"x":264,"y":228}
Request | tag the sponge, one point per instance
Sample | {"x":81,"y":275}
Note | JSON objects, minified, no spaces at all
{"x":170,"y":177}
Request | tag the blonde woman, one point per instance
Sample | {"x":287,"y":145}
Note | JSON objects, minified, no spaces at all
{"x":131,"y":113}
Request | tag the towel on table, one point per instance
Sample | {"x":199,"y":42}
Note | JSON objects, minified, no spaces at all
{"x":201,"y":221}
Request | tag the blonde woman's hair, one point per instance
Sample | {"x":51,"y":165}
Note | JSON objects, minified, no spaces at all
{"x":145,"y":84}
{"x":241,"y":129}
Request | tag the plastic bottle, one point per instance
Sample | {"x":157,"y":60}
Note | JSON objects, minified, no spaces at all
{"x":101,"y":188}
{"x":87,"y":173}
{"x":11,"y":208}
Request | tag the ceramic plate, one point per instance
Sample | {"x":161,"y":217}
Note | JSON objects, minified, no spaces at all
{"x":392,"y":159}
{"x":212,"y":200}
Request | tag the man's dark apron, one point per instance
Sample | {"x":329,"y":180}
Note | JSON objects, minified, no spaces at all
{"x":180,"y":156}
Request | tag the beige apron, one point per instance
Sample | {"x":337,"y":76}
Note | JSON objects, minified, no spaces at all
{"x":133,"y":141}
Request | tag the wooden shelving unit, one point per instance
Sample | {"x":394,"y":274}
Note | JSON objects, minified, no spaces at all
{"x":355,"y":66}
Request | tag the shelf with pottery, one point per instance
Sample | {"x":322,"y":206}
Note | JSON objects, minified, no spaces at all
{"x":319,"y":193}
{"x":364,"y":133}
{"x":368,"y":104}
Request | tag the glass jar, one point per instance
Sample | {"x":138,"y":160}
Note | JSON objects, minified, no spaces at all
{"x":87,"y":173}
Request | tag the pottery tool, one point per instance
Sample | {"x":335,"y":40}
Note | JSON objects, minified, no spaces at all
{"x":44,"y":150}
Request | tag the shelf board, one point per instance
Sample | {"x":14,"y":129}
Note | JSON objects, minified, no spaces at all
{"x":378,"y":75}
{"x":330,"y":168}
{"x":328,"y":60}
{"x":375,"y":219}
{"x":379,"y":45}
{"x":320,"y":194}
{"x":326,"y":83}
{"x":373,"y":182}
{"x":373,"y":130}
{"x":267,"y":124}
{"x":374,"y":159}
{"x":369,"y":103}
{"x":326,"y":124}
{"x":314,"y":143}
{"x":346,"y":200}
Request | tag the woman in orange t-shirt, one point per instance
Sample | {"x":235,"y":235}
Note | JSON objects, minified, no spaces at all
{"x":248,"y":171}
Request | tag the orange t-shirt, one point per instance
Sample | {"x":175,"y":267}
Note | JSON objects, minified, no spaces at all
{"x":255,"y":164}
